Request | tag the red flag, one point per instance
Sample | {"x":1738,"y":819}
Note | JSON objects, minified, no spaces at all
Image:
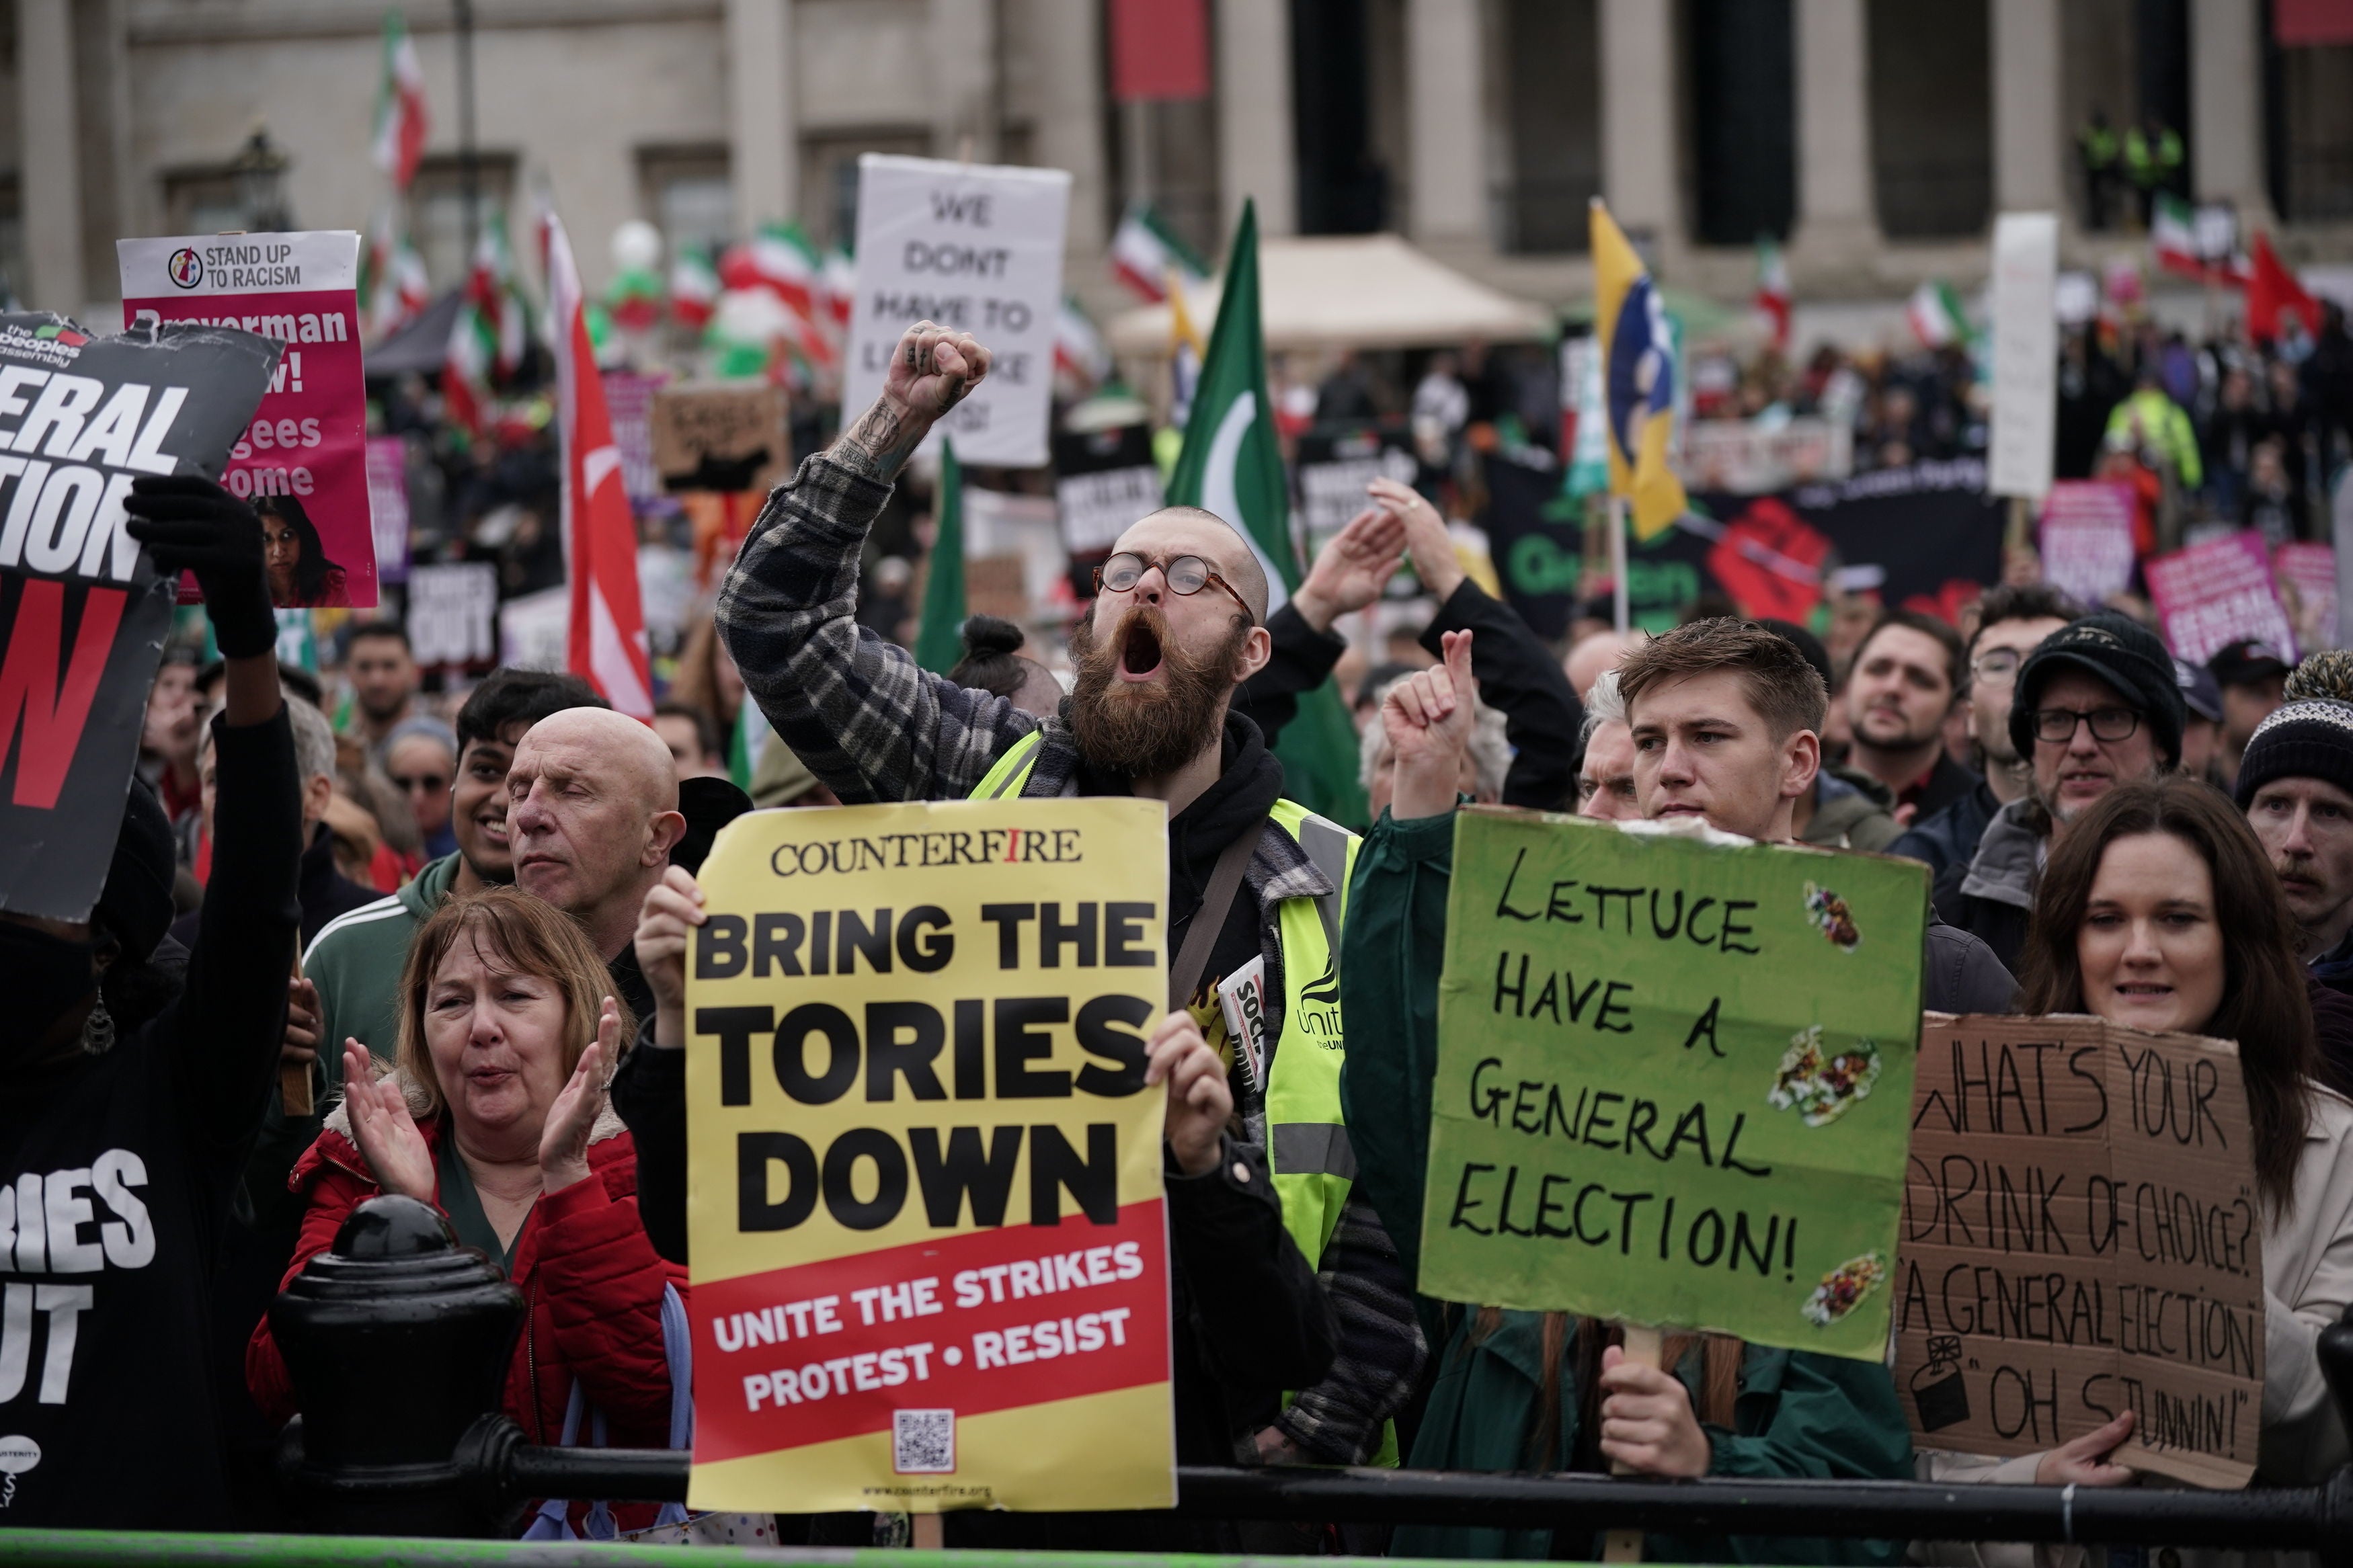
{"x":2274,"y":293}
{"x":1159,"y":50}
{"x":607,"y":637}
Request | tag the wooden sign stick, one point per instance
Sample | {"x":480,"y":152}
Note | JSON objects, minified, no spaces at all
{"x":1642,"y":1349}
{"x":294,"y":1078}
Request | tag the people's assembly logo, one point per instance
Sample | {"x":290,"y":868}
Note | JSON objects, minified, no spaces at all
{"x":186,"y":268}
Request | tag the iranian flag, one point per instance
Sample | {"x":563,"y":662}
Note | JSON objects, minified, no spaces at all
{"x":840,"y":279}
{"x":1145,"y":250}
{"x":400,"y":122}
{"x":491,"y":333}
{"x":1773,"y":298}
{"x":1078,"y":350}
{"x":393,"y":289}
{"x":693,"y":288}
{"x":2178,"y":247}
{"x":778,"y":258}
{"x":1231,"y":464}
{"x":606,"y":635}
{"x":1936,"y":316}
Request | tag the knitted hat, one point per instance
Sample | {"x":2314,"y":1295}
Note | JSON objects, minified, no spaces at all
{"x":2118,"y":650}
{"x":2309,"y":740}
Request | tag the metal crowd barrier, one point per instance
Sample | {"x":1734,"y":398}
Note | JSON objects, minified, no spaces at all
{"x":394,"y":1292}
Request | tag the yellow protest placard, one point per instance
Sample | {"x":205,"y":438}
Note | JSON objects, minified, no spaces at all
{"x":930,"y":1257}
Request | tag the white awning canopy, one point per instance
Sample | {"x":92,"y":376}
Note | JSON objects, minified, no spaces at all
{"x":1353,"y":291}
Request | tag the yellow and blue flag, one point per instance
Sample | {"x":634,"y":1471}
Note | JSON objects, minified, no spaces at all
{"x":1638,"y":378}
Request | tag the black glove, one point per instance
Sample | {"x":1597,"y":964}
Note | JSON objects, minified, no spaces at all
{"x":191,"y":523}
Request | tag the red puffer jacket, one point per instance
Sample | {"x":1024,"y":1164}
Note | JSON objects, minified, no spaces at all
{"x":592,"y":1280}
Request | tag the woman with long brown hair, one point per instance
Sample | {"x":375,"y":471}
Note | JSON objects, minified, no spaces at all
{"x":2158,"y":909}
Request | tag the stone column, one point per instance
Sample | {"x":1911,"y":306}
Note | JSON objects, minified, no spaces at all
{"x":1838,"y":217}
{"x":1066,"y":40}
{"x":763,"y":128}
{"x":964,"y":80}
{"x":1445,"y":125}
{"x":2226,"y":108}
{"x":1641,"y":176}
{"x":1258,"y":149}
{"x":2029,"y":143}
{"x":48,"y":137}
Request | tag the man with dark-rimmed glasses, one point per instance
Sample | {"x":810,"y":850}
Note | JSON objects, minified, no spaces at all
{"x":2095,"y":706}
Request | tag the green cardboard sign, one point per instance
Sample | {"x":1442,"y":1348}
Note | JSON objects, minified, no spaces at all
{"x":1674,"y":1079}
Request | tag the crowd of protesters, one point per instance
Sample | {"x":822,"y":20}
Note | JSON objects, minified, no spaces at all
{"x":491,"y":896}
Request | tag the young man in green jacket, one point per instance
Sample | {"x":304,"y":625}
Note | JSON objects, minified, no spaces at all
{"x":1732,"y":743}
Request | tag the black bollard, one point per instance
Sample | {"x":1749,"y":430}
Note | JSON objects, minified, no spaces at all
{"x":399,"y":1340}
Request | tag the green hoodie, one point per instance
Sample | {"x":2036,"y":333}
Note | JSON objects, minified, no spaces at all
{"x":355,"y":961}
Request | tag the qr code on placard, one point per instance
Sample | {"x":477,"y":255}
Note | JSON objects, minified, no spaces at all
{"x":922,"y":1442}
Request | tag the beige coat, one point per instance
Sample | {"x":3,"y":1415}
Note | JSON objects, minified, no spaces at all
{"x":2307,"y":1285}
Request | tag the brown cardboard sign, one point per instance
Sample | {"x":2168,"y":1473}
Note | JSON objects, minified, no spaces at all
{"x":722,"y":438}
{"x":2081,"y":1236}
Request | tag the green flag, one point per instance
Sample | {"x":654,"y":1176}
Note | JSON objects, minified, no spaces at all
{"x":939,"y":642}
{"x":1231,"y":464}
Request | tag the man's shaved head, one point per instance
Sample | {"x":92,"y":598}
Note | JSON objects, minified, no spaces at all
{"x":1175,"y":531}
{"x":591,"y":815}
{"x":630,"y":750}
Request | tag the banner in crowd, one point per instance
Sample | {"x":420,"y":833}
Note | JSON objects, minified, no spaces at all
{"x":453,"y":615}
{"x":2024,"y":423}
{"x":2215,"y":594}
{"x":630,"y":403}
{"x":2307,"y":580}
{"x":2081,"y":1236}
{"x":1104,"y":480}
{"x":302,"y":460}
{"x":83,"y":614}
{"x":1334,"y":466}
{"x":1755,"y":457}
{"x":973,"y":248}
{"x":1925,"y":536}
{"x":2087,"y":538}
{"x":930,"y":1265}
{"x":1674,"y":1074}
{"x":387,"y":482}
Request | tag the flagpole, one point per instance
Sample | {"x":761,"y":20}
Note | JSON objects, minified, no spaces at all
{"x":1617,"y":607}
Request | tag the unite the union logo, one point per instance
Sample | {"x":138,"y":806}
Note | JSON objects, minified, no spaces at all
{"x":186,"y":268}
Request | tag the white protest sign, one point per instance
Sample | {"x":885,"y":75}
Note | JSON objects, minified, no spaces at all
{"x":2025,"y":354}
{"x":976,"y":249}
{"x":453,"y":615}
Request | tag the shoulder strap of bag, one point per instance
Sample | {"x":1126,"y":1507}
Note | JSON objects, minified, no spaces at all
{"x":1217,"y":900}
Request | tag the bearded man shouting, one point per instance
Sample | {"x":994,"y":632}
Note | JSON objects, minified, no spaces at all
{"x":1178,"y":622}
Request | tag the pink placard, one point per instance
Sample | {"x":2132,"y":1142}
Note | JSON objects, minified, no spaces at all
{"x":2219,"y":593}
{"x":303,"y":458}
{"x":2087,"y":538}
{"x":2309,"y":571}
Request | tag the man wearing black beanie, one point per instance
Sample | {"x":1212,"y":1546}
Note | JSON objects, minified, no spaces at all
{"x":2295,"y":784}
{"x":2097,"y":705}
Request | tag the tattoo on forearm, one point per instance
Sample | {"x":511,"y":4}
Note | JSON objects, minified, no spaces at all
{"x":880,"y":444}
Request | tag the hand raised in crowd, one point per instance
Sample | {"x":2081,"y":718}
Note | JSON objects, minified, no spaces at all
{"x":191,"y":523}
{"x":932,"y":370}
{"x":1647,"y":1424}
{"x":1352,"y":568}
{"x":673,"y":906}
{"x":2083,"y":1462}
{"x":300,"y":1047}
{"x":1200,"y":1101}
{"x":384,"y":1129}
{"x":1426,"y":537}
{"x":563,"y":1142}
{"x":1428,"y":719}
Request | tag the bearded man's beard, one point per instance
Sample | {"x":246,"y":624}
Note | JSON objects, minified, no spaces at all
{"x":1147,"y":728}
